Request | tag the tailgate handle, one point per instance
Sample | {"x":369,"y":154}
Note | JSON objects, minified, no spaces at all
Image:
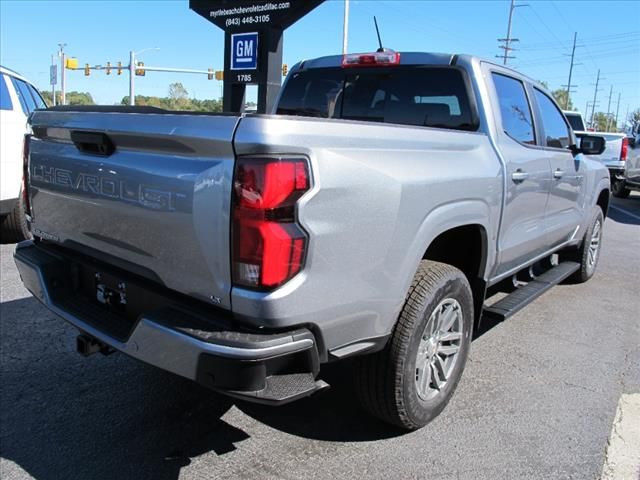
{"x":94,"y":143}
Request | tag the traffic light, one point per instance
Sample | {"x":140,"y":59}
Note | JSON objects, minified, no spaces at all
{"x":119,"y":68}
{"x":210,"y":74}
{"x":140,"y":71}
{"x":219,"y":75}
{"x":71,"y":63}
{"x":87,"y":70}
{"x":108,"y":68}
{"x":285,"y":69}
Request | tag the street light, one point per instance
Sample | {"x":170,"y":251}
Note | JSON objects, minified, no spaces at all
{"x":132,"y":72}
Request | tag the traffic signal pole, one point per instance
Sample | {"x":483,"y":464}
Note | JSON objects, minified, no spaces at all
{"x":132,"y":74}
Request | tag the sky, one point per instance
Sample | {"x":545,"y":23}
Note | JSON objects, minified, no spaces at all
{"x":99,"y":31}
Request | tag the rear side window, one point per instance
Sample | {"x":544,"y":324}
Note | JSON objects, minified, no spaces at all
{"x":575,"y":121}
{"x":5,"y":99}
{"x":36,"y":97}
{"x":555,"y":128}
{"x":26,"y":100}
{"x":422,"y":96}
{"x":514,"y":108}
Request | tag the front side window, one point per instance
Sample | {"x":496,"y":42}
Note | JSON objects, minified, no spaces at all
{"x":555,"y":128}
{"x":5,"y":99}
{"x":421,"y":96}
{"x":516,"y":115}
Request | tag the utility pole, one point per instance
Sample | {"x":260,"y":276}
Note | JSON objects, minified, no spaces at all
{"x":345,"y":27}
{"x":617,"y":110}
{"x":53,"y":85}
{"x":609,"y":107}
{"x":573,"y":52}
{"x":507,"y":41}
{"x":595,"y":97}
{"x":132,"y":74}
{"x":63,"y":97}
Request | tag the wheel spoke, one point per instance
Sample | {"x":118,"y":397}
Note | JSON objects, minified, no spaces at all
{"x":450,"y":316}
{"x":448,"y":349}
{"x":425,"y":378}
{"x":437,"y":382}
{"x":439,"y":374}
{"x":435,"y":323}
{"x":450,"y":336}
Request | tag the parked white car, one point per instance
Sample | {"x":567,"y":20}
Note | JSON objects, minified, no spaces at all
{"x":18,"y":98}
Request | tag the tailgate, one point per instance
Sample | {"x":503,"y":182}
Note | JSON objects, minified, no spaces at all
{"x":147,"y":192}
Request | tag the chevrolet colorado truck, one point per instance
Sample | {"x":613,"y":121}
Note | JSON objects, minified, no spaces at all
{"x":373,"y":214}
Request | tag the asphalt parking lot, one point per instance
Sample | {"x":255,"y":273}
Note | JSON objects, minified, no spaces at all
{"x":537,"y":399}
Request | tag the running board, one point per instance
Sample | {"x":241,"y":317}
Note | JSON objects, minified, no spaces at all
{"x":523,"y":296}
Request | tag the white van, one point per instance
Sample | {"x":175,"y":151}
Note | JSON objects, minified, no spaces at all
{"x":18,"y":98}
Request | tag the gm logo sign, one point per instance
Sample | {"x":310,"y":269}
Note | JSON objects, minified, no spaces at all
{"x":244,"y":51}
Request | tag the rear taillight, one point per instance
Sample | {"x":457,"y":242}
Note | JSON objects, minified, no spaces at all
{"x":268,"y":245}
{"x":25,"y":174}
{"x":625,"y":148}
{"x":376,"y":59}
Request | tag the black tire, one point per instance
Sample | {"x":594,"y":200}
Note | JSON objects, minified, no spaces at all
{"x":581,"y":254}
{"x":619,"y":190}
{"x":386,"y":381}
{"x":14,"y":227}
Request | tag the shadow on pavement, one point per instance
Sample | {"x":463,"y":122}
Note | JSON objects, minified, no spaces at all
{"x":333,"y":415}
{"x":621,"y":216}
{"x":63,"y":416}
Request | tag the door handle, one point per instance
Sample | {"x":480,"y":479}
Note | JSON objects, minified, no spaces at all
{"x":558,"y":174}
{"x":519,"y":176}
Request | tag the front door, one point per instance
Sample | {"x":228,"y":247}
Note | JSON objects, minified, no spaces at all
{"x":567,"y":197}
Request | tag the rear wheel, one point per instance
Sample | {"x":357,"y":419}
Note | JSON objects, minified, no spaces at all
{"x":14,"y":227}
{"x":411,"y":381}
{"x":619,"y":190}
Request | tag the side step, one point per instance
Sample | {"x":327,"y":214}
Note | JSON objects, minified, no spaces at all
{"x":520,"y":298}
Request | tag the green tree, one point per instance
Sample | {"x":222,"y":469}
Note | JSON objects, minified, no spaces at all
{"x":602,"y":122}
{"x":634,"y":119}
{"x":179,"y":97}
{"x":560,"y":95}
{"x":72,"y":98}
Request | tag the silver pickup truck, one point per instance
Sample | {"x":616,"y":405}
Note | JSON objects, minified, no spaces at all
{"x":374,"y":214}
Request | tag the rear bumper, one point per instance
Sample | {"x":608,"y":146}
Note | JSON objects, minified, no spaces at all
{"x":191,"y":342}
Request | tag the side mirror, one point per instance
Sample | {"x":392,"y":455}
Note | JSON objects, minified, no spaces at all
{"x":632,"y":142}
{"x":590,"y":145}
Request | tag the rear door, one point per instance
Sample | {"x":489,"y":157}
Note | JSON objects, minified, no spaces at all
{"x":528,"y":171}
{"x":567,"y":193}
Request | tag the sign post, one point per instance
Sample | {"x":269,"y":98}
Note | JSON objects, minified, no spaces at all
{"x":253,"y":44}
{"x":53,"y":80}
